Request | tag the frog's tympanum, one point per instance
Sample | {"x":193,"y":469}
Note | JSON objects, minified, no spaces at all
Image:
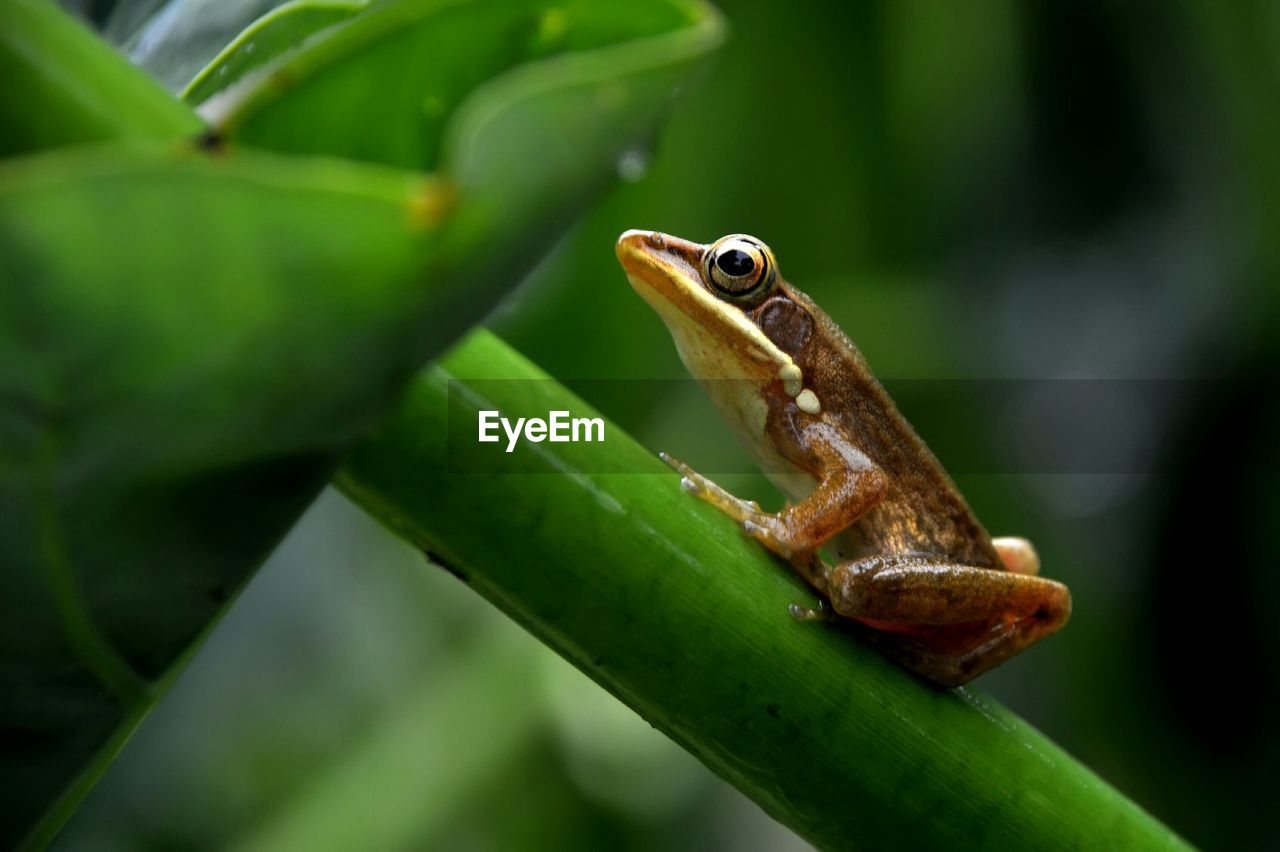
{"x":914,"y":564}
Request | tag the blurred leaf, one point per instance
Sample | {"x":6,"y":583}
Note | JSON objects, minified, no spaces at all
{"x":613,"y":756}
{"x":577,"y":114}
{"x":349,"y":805}
{"x":1238,"y":42}
{"x":183,"y":36}
{"x":347,"y":639}
{"x":275,"y":33}
{"x":188,"y":343}
{"x":62,"y":86}
{"x":94,"y":12}
{"x":124,"y":19}
{"x":170,"y":408}
{"x":334,"y":96}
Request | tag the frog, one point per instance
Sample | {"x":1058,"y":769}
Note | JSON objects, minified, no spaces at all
{"x":873,"y":523}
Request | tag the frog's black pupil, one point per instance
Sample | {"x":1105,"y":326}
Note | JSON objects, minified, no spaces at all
{"x":735,"y":263}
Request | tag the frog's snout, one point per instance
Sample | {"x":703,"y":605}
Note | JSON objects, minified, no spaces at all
{"x":641,"y":252}
{"x":635,"y":241}
{"x":639,"y":248}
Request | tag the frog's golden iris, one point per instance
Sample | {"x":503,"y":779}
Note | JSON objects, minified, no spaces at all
{"x":740,"y":268}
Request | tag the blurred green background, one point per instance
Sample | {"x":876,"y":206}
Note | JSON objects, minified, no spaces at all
{"x":988,"y":190}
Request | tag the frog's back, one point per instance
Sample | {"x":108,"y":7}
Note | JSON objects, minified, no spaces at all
{"x":923,"y":511}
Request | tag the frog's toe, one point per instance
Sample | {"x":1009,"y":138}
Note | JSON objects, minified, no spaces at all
{"x":1017,"y":554}
{"x":821,"y":612}
{"x":766,"y":530}
{"x":675,"y":463}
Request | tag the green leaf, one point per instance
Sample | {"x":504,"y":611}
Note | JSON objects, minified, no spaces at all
{"x":272,"y":35}
{"x":384,"y":86}
{"x":184,"y":36}
{"x":185,"y":344}
{"x":188,"y":343}
{"x":662,"y":601}
{"x":63,"y":86}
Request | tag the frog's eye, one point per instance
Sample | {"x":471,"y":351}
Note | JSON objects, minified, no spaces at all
{"x":740,"y":267}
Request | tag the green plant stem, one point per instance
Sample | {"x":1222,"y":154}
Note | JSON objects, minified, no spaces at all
{"x":658,"y":598}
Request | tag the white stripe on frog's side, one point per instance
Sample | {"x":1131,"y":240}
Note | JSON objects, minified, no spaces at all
{"x":792,"y":379}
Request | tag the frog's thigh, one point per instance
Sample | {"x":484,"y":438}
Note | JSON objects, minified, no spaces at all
{"x":954,"y":654}
{"x":1017,"y":554}
{"x":920,"y":591}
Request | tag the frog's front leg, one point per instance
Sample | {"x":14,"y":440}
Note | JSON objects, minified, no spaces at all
{"x":704,"y":489}
{"x":848,"y":485}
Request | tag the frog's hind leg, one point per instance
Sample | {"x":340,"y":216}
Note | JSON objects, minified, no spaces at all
{"x":921,"y":590}
{"x":955,"y":654}
{"x":953,"y":622}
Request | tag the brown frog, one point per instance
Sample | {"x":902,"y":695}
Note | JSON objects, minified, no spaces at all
{"x":940,"y":595}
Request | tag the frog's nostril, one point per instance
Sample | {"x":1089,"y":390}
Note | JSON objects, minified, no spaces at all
{"x":635,"y":244}
{"x":639,"y":239}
